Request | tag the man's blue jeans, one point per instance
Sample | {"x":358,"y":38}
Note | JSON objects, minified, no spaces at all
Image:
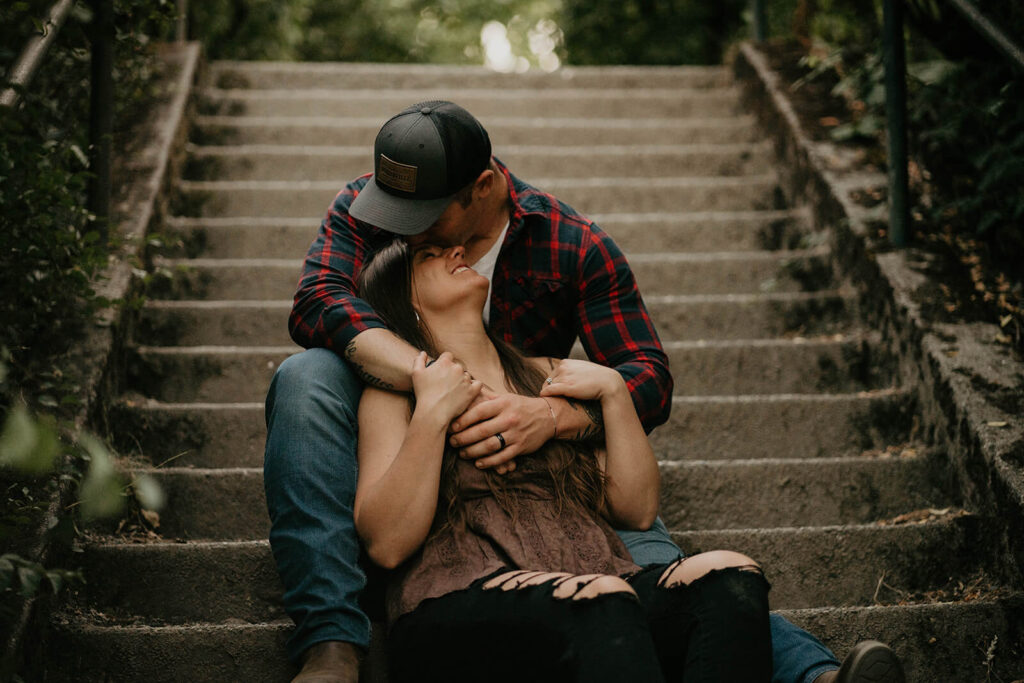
{"x":310,"y":478}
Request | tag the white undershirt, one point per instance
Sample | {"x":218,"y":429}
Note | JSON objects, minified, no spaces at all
{"x":485,"y":266}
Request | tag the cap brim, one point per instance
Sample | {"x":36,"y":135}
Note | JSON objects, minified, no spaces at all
{"x":396,"y":214}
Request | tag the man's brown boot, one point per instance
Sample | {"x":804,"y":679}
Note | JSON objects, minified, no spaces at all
{"x":868,"y":662}
{"x":331,"y":661}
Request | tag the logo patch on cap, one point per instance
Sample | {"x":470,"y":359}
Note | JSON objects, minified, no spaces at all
{"x":395,"y":175}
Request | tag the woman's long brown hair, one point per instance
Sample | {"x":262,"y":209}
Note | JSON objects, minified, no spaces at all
{"x":385,"y":283}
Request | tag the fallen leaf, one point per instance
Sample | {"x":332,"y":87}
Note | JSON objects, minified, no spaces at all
{"x":152,"y":518}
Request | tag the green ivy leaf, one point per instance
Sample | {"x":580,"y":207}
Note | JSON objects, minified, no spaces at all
{"x":6,"y":572}
{"x":56,"y":580}
{"x":29,"y":577}
{"x":28,"y":445}
{"x":101,"y":492}
{"x":148,"y":492}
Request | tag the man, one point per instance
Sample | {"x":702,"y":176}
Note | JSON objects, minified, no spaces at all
{"x":554,"y":276}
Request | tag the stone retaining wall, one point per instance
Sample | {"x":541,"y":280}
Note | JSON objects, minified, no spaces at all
{"x":970,"y":389}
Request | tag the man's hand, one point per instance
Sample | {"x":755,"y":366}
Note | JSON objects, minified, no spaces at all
{"x":524,"y":423}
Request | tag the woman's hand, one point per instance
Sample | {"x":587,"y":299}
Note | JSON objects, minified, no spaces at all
{"x":583,"y":380}
{"x":444,"y":388}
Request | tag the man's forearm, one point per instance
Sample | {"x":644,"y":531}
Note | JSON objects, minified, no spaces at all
{"x":381,"y":359}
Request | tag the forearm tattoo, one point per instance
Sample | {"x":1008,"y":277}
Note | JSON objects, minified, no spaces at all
{"x":372,"y":380}
{"x":592,"y":409}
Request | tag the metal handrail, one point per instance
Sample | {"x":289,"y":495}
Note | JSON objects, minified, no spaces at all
{"x":894,"y":57}
{"x":24,"y":70}
{"x":996,"y":38}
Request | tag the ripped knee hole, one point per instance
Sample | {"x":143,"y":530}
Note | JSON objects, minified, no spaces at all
{"x":566,"y":586}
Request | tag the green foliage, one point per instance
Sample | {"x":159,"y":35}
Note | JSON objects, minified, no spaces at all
{"x":965,"y":120}
{"x":647,"y":32}
{"x":50,"y":258}
{"x":37,"y":452}
{"x":363,"y":31}
{"x":50,"y":253}
{"x":22,"y":579}
{"x":27,"y":445}
{"x":970,"y":118}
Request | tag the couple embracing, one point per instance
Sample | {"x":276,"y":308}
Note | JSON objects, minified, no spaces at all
{"x":436,"y":426}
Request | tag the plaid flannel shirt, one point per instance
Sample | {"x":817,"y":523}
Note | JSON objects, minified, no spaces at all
{"x":558,"y":277}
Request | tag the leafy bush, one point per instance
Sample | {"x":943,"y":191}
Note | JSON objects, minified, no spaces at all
{"x":965,"y":117}
{"x":50,"y":251}
{"x":645,"y":32}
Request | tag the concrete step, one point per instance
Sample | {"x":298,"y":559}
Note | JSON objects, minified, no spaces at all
{"x":217,"y":581}
{"x":829,"y":365}
{"x":531,"y":129}
{"x":728,"y":316}
{"x":319,"y":162}
{"x":700,"y":428}
{"x":943,"y":641}
{"x":228,"y":504}
{"x":712,"y":231}
{"x":783,"y":425}
{"x":349,"y":76}
{"x":216,"y":374}
{"x":102,"y":653}
{"x":482,"y":102}
{"x":931,"y":639}
{"x":230,"y":198}
{"x":742,"y":494}
{"x":857,"y":564}
{"x":215,"y":435}
{"x":750,"y":316}
{"x":836,"y":364}
{"x":656,"y":274}
{"x":199,"y":581}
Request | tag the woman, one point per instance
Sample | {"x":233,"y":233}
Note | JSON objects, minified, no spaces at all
{"x":518,"y":575}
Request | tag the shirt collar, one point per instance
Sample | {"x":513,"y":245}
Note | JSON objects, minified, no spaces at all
{"x":523,"y":201}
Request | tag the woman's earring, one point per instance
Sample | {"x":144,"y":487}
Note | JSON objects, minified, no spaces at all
{"x":417,"y":315}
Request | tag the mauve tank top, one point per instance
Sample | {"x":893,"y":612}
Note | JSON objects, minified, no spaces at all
{"x":541,"y":537}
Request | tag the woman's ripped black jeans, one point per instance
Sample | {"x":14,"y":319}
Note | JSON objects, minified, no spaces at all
{"x":713,"y":629}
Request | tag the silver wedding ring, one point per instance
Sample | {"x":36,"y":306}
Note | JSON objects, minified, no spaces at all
{"x":501,"y":440}
{"x":549,"y":381}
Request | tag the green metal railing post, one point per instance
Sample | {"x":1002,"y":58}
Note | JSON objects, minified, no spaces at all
{"x":758,"y":21}
{"x":181,"y":22}
{"x":101,"y":111}
{"x":894,"y":56}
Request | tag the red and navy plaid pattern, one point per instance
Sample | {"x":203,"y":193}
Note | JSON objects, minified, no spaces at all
{"x":558,"y":277}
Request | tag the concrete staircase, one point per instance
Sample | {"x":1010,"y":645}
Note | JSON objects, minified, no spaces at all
{"x":789,"y":440}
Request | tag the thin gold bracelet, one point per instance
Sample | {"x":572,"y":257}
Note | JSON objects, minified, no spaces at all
{"x":555,"y":421}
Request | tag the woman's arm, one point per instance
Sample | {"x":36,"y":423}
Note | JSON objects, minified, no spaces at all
{"x":400,"y":457}
{"x":632,"y":491}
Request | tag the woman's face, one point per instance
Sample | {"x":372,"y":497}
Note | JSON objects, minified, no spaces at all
{"x":441,"y":279}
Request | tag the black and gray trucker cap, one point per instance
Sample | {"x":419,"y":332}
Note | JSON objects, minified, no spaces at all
{"x":422,"y":157}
